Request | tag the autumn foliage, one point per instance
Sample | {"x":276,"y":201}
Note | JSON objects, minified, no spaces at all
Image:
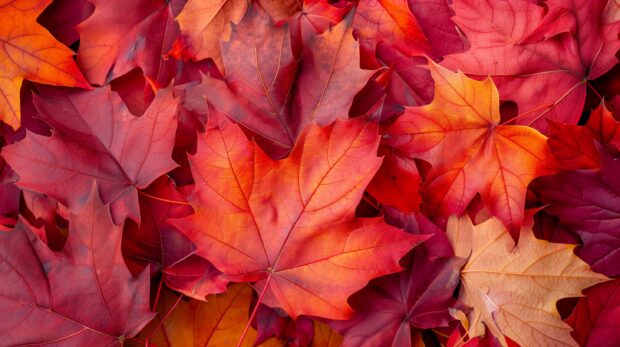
{"x":310,"y":173}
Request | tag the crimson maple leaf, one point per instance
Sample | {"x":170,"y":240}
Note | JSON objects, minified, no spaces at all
{"x":276,"y":96}
{"x":540,"y":55}
{"x":95,"y":138}
{"x":84,"y":295}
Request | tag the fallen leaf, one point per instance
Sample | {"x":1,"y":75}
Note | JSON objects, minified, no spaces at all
{"x":435,"y":20}
{"x":324,"y":336}
{"x":275,"y":96}
{"x":389,"y":308}
{"x":397,"y":183}
{"x":289,"y":225}
{"x":275,"y":324}
{"x":61,"y":18}
{"x":280,"y":10}
{"x":460,"y":135}
{"x":82,"y":296}
{"x":122,"y":35}
{"x":596,"y":319}
{"x":541,"y":56}
{"x":95,"y":138}
{"x":587,"y":203}
{"x":205,"y":23}
{"x":573,"y":147}
{"x":390,"y":22}
{"x":217,"y":322}
{"x":512,"y":289}
{"x":30,"y":52}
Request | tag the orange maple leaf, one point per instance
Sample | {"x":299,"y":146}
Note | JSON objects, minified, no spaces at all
{"x":460,"y":135}
{"x":30,"y":52}
{"x":289,"y":225}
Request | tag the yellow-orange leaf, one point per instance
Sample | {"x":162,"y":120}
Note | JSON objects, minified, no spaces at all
{"x":218,"y":322}
{"x":460,"y":135}
{"x":30,"y":52}
{"x":324,"y":336}
{"x":513,"y":289}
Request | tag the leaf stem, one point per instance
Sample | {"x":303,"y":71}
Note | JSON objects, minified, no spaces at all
{"x":260,"y":299}
{"x":161,"y":322}
{"x":164,"y":200}
{"x":524,"y":114}
{"x":549,"y":106}
{"x":161,"y":283}
{"x":371,"y":203}
{"x":594,"y":90}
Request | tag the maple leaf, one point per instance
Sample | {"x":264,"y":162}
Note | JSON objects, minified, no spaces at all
{"x":460,"y":135}
{"x":410,"y":83}
{"x":605,"y":128}
{"x":122,"y":35}
{"x":62,"y":17}
{"x":435,"y":19}
{"x":573,"y":147}
{"x":217,"y":322}
{"x":272,"y":94}
{"x":390,"y":22}
{"x":289,"y":225}
{"x":95,"y":138}
{"x":280,"y":10}
{"x":185,"y":271}
{"x":402,"y":82}
{"x":317,"y":16}
{"x":220,"y":321}
{"x":324,"y":336}
{"x":9,"y":193}
{"x":306,"y":18}
{"x":44,"y":293}
{"x":389,"y":307}
{"x":541,"y":56}
{"x":595,"y":318}
{"x":156,"y":243}
{"x":513,"y":289}
{"x":204,"y":23}
{"x":587,"y":201}
{"x":30,"y":52}
{"x":143,"y":243}
{"x":397,"y":183}
{"x":270,"y":322}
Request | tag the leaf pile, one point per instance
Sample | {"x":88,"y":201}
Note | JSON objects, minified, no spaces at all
{"x":310,"y":173}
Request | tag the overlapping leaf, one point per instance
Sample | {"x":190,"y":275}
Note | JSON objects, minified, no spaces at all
{"x":274,"y":95}
{"x":203,"y":24}
{"x":587,"y":202}
{"x":289,"y":225}
{"x":512,"y":290}
{"x":391,"y":306}
{"x":82,"y":296}
{"x":122,"y":35}
{"x":30,"y":52}
{"x":95,"y":138}
{"x":460,"y":135}
{"x":596,"y":318}
{"x":390,"y":22}
{"x":218,"y":322}
{"x":541,"y":55}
